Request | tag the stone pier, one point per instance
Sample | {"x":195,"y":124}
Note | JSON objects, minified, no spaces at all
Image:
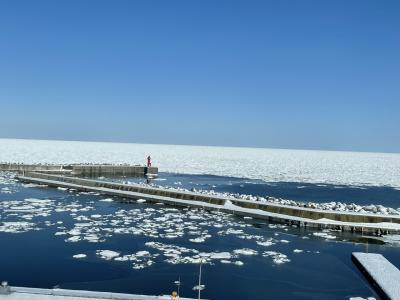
{"x":297,"y":216}
{"x":82,"y":169}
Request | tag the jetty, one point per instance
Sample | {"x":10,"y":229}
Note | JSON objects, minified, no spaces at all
{"x":297,"y":216}
{"x":382,"y":274}
{"x":90,"y":170}
{"x":24,"y":293}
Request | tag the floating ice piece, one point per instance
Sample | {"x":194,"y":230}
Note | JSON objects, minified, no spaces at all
{"x":324,"y":235}
{"x":392,"y":239}
{"x":79,"y":256}
{"x":22,"y":208}
{"x":238,"y":263}
{"x":277,"y":258}
{"x":73,"y":239}
{"x":245,"y":251}
{"x":297,"y":250}
{"x":60,"y":233}
{"x":107,"y":200}
{"x":142,"y":253}
{"x":266,"y":243}
{"x":33,"y":185}
{"x":224,"y":261}
{"x":198,"y":240}
{"x":221,"y":255}
{"x":17,"y":227}
{"x":140,"y":200}
{"x":107,"y":254}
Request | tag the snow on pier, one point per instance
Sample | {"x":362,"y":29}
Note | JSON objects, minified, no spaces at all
{"x":300,"y":216}
{"x":81,"y":169}
{"x":384,"y":276}
{"x":23,"y":293}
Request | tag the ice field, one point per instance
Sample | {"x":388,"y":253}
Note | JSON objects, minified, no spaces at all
{"x":272,"y":165}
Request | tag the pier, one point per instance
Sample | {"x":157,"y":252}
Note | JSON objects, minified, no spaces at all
{"x":24,"y":293}
{"x":90,"y":170}
{"x":292,"y":215}
{"x":383,"y":275}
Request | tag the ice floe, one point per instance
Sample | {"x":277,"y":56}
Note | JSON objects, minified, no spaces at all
{"x":107,"y":254}
{"x":392,"y":239}
{"x":324,"y":234}
{"x":277,"y":258}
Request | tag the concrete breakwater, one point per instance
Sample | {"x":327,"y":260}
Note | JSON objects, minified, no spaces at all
{"x":27,"y":293}
{"x":300,"y":216}
{"x":81,"y":169}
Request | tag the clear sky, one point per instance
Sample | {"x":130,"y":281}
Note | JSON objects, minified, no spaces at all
{"x":286,"y":74}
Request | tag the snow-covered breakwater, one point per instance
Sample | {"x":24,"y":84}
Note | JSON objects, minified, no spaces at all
{"x":329,"y":206}
{"x":82,"y":169}
{"x":300,"y":216}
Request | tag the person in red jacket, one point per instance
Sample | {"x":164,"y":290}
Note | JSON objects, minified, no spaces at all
{"x":148,"y":161}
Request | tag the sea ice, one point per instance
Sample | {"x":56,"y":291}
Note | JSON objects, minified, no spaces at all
{"x":324,"y":235}
{"x":245,"y":251}
{"x":107,"y":254}
{"x":221,"y":255}
{"x":198,"y":240}
{"x":107,"y":200}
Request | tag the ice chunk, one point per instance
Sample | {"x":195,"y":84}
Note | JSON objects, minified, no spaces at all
{"x":107,"y":254}
{"x":245,"y":251}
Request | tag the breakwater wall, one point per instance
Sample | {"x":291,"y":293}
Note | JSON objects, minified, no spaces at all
{"x":24,"y":293}
{"x":306,"y":217}
{"x":82,"y":169}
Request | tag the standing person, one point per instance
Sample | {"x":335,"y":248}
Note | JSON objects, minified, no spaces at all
{"x":148,"y":161}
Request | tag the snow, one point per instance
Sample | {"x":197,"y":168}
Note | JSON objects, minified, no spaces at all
{"x":334,"y":167}
{"x":336,"y":206}
{"x":383,"y":273}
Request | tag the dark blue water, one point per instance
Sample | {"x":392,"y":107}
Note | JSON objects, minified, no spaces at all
{"x":38,"y":258}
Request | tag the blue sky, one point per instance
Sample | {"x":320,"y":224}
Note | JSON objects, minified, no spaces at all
{"x":283,"y":74}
